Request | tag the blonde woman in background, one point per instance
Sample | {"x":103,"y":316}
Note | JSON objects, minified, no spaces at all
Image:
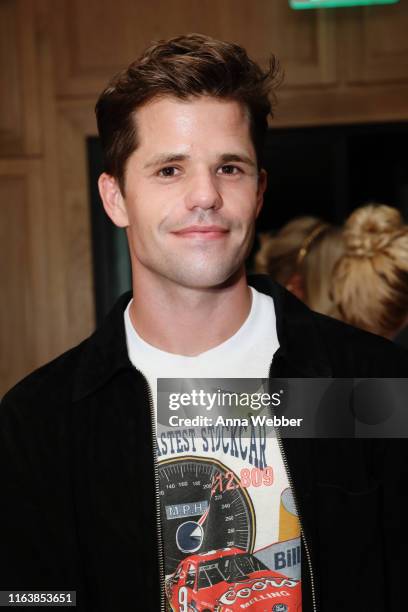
{"x":370,"y":280}
{"x":301,"y":257}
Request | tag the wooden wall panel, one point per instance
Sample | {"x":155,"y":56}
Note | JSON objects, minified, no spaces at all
{"x":76,"y":121}
{"x":92,"y":41}
{"x":58,"y":263}
{"x":377,"y":45}
{"x":304,"y":42}
{"x":16,"y":345}
{"x":29,"y":36}
{"x":11,"y":100}
{"x":20,"y":131}
{"x":311,"y":107}
{"x":24,"y":329}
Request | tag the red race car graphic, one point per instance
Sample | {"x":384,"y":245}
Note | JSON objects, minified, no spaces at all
{"x":227,"y":580}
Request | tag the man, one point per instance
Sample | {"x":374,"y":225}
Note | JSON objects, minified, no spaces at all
{"x":94,"y":500}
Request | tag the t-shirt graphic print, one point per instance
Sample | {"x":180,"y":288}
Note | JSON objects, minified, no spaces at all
{"x":229,"y":524}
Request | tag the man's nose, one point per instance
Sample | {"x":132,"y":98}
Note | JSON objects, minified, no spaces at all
{"x":203,"y":191}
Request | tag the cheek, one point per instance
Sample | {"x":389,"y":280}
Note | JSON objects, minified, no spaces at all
{"x":245,"y":211}
{"x":241,"y":197}
{"x":140,"y":209}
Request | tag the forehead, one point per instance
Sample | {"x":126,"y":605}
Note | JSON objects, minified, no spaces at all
{"x":169,"y":121}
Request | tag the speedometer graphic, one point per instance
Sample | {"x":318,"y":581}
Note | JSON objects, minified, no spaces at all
{"x":203,"y":508}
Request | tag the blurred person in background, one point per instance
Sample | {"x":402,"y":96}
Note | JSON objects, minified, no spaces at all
{"x":301,"y":257}
{"x":370,"y":280}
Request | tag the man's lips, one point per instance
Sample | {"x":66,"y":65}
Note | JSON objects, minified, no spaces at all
{"x":202,"y":231}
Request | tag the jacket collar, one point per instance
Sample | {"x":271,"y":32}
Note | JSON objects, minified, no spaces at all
{"x":302,"y":352}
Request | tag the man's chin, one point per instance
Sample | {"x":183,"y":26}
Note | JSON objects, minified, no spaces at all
{"x":207,"y":280}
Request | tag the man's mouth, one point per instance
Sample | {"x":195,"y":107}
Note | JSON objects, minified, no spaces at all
{"x":205,"y":232}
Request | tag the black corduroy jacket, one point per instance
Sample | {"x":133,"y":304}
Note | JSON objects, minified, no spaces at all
{"x":78,"y":509}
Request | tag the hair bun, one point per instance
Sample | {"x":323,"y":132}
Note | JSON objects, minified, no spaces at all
{"x":370,"y":229}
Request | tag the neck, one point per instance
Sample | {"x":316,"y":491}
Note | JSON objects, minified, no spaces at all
{"x":188,"y":321}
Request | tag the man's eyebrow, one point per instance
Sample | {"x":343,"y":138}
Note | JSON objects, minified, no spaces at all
{"x":168,"y":158}
{"x":237,"y":157}
{"x":165,"y":158}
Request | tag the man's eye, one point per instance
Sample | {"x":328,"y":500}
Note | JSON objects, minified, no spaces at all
{"x":231,"y":170}
{"x":168,"y":171}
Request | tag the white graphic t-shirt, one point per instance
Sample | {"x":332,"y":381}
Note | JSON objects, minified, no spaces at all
{"x":229,"y":525}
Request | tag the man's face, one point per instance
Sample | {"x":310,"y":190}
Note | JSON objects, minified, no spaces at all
{"x":192,"y":191}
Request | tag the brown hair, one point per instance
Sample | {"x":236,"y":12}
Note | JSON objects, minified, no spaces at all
{"x":307,"y":246}
{"x":370,"y":281}
{"x":184,"y":66}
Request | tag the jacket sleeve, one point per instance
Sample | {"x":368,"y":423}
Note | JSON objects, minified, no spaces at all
{"x":37,"y":526}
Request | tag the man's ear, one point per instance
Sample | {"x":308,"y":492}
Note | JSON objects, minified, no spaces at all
{"x":113,"y":201}
{"x":262,"y":183}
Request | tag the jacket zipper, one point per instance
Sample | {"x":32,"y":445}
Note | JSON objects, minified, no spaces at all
{"x":309,"y":559}
{"x":289,"y":475}
{"x":157,"y":501}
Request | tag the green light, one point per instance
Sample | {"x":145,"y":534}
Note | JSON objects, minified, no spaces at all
{"x":314,"y":4}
